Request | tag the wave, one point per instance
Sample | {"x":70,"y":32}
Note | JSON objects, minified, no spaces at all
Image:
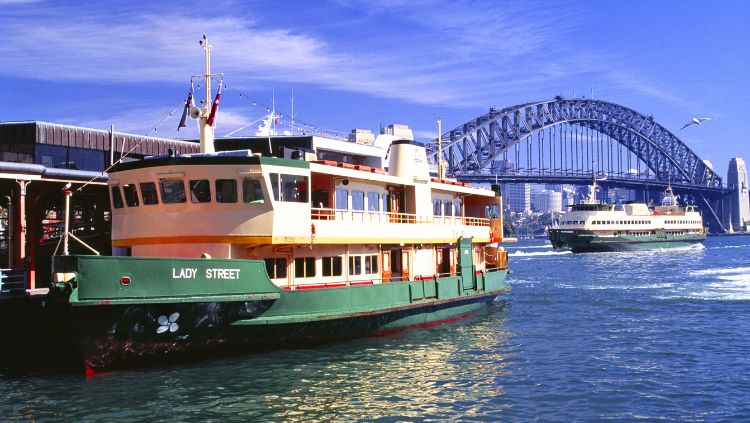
{"x":537,"y":253}
{"x":532,"y":247}
{"x":721,"y":271}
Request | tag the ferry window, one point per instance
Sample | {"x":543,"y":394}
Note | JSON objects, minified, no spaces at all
{"x":294,"y":188}
{"x":252,"y":192}
{"x":131,"y":195}
{"x":332,"y":266}
{"x":304,"y":267}
{"x":172,"y":191}
{"x":437,"y":207}
{"x":447,"y":207}
{"x":342,"y":199}
{"x":148,"y":192}
{"x":276,"y":267}
{"x":116,"y":197}
{"x":226,"y":191}
{"x":373,"y":201}
{"x":200,"y":191}
{"x":371,"y":264}
{"x":358,"y":200}
{"x":457,"y":208}
{"x":355,"y":265}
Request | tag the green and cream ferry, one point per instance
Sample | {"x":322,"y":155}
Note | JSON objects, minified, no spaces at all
{"x":593,"y":226}
{"x":241,"y":250}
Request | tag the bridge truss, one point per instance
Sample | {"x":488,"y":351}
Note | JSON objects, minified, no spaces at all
{"x":568,"y":140}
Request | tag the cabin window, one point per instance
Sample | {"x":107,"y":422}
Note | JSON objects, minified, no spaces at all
{"x":172,"y":191}
{"x":304,"y":267}
{"x":447,"y":207}
{"x":148,"y":193}
{"x":342,"y":199}
{"x":131,"y":195}
{"x":291,"y":188}
{"x":355,"y":265}
{"x":373,"y":202}
{"x":117,"y":197}
{"x":358,"y":200}
{"x":276,"y":267}
{"x":226,"y":191}
{"x":457,"y":208}
{"x":371,"y":264}
{"x":437,"y":207}
{"x":252,"y":192}
{"x":200,"y":191}
{"x":332,"y":266}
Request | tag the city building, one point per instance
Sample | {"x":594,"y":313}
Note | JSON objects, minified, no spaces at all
{"x":547,"y":201}
{"x":518,"y":197}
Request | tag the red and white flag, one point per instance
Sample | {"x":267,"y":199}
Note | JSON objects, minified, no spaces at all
{"x":214,"y":108}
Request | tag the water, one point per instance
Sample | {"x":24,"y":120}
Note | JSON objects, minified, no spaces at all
{"x":661,"y":335}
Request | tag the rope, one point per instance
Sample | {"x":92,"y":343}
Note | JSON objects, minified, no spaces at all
{"x":181,"y":103}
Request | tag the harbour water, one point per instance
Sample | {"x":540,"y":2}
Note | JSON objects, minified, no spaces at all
{"x":659,"y":335}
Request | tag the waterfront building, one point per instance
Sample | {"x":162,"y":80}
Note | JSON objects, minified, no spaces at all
{"x":547,"y":201}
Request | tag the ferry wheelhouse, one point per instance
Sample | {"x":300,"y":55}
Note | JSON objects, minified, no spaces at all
{"x":592,"y":226}
{"x":237,"y":249}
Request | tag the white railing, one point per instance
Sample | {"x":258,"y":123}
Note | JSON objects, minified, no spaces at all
{"x":392,"y":217}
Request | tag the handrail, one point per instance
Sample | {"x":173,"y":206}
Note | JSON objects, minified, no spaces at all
{"x":367,"y":216}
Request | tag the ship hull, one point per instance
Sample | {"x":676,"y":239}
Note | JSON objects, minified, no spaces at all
{"x":167,"y":318}
{"x":581,"y":241}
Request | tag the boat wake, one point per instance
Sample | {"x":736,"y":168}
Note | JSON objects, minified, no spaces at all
{"x":722,"y":284}
{"x":537,"y":253}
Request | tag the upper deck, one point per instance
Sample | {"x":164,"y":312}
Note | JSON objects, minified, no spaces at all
{"x":228,"y":201}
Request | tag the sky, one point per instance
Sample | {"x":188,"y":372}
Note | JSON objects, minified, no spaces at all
{"x":362,"y":64}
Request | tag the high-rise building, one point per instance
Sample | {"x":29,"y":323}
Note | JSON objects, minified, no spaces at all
{"x":738,"y":210}
{"x":518,"y":197}
{"x":547,"y":201}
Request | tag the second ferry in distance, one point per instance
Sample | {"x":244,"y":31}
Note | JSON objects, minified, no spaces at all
{"x":593,"y":226}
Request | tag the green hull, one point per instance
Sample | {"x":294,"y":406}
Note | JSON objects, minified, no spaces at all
{"x":169,"y":305}
{"x":580,"y":241}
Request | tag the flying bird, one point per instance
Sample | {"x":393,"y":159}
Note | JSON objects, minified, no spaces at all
{"x":695,"y":121}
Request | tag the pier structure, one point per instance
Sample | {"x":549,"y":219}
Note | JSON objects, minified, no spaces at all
{"x":38,"y":159}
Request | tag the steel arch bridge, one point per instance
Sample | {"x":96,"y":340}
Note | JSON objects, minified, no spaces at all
{"x":565,"y":140}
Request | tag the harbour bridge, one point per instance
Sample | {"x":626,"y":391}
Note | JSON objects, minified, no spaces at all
{"x":571,"y":140}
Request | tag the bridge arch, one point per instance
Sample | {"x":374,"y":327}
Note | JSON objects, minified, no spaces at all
{"x":471,"y":148}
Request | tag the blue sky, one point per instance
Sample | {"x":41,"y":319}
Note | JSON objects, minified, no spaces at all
{"x":360,"y":63}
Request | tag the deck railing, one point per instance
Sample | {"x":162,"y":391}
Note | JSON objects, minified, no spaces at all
{"x":12,"y":282}
{"x":393,"y":217}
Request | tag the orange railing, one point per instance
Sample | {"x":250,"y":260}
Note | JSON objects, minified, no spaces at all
{"x":392,"y":217}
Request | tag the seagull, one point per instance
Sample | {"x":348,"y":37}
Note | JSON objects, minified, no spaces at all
{"x":695,"y":121}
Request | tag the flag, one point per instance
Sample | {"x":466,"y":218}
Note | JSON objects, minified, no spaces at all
{"x":276,"y":121}
{"x":188,"y":105}
{"x":214,"y":108}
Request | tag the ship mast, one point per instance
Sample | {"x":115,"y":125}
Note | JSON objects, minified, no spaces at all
{"x":206,"y":131}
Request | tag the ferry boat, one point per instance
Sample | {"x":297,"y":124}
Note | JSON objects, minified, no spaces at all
{"x":592,"y":226}
{"x":241,"y":250}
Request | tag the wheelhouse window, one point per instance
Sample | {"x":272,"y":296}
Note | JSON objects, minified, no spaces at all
{"x":358,"y":200}
{"x":117,"y":197}
{"x":276,"y":267}
{"x":373,"y":202}
{"x":304,"y":267}
{"x":200,"y":191}
{"x":148,"y":193}
{"x":332,"y":266}
{"x":290,"y":188}
{"x":457,"y":208}
{"x":342,"y":199}
{"x":172,"y":191}
{"x":131,"y":195}
{"x":226,"y":191}
{"x":252,"y":191}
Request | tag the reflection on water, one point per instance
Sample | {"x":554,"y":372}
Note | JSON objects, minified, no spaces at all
{"x":658,"y":335}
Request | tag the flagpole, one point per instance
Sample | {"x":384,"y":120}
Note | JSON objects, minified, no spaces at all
{"x":206,"y":130}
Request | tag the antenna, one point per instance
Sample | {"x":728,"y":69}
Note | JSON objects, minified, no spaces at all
{"x":292,"y":100}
